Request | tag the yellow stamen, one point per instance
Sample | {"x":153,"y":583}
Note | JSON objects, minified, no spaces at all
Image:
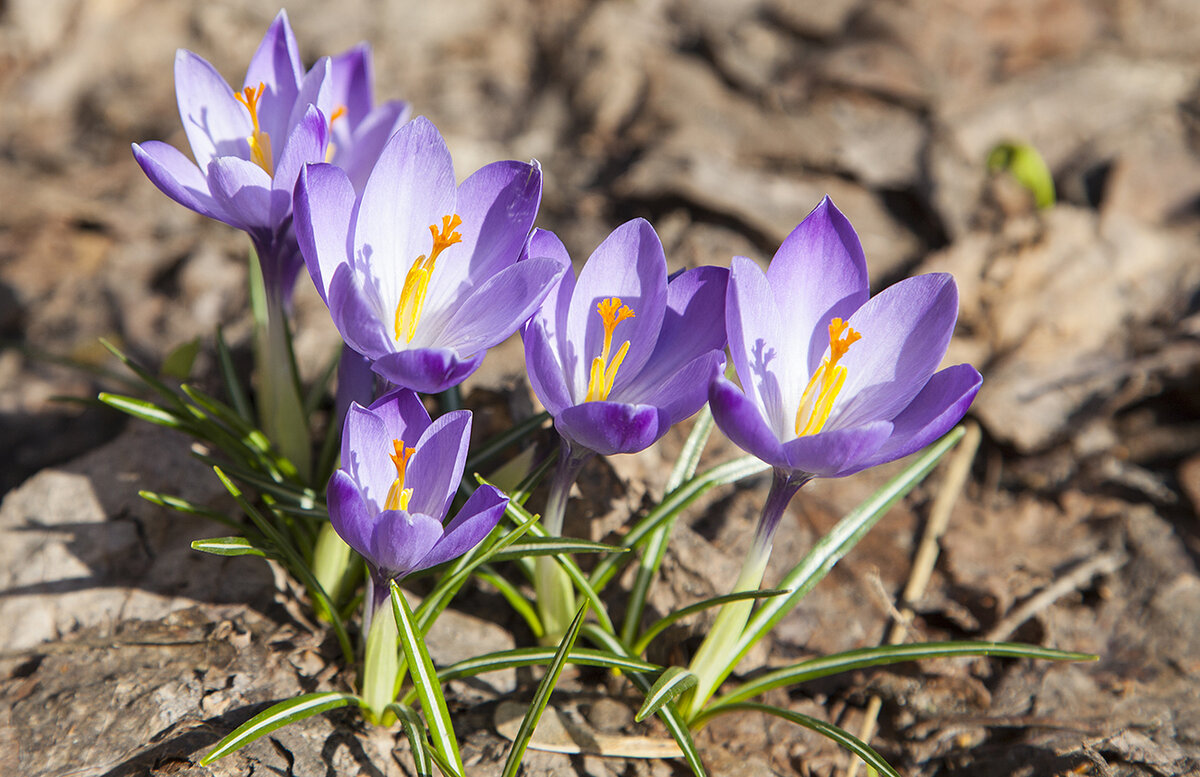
{"x":816,"y":403}
{"x":260,"y":142}
{"x":398,"y":495}
{"x":331,"y":149}
{"x":604,"y":372}
{"x":412,"y":296}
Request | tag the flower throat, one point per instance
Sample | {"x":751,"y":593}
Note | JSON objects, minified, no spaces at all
{"x":260,"y":142}
{"x":412,"y":297}
{"x":816,"y":403}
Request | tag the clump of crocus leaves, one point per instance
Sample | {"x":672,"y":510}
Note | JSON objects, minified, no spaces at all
{"x":422,"y":275}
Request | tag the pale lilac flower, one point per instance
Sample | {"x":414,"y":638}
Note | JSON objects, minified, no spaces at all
{"x":249,"y":145}
{"x":421,"y":277}
{"x":399,"y":474}
{"x":832,"y":381}
{"x":620,"y":354}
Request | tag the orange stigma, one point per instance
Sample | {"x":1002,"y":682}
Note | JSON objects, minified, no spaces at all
{"x":260,"y":142}
{"x":398,"y":495}
{"x":816,"y":403}
{"x":612,"y":312}
{"x":412,"y":297}
{"x":331,"y":149}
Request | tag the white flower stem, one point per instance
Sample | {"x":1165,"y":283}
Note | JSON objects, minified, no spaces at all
{"x":381,"y":664}
{"x":280,"y":409}
{"x":715,"y":659}
{"x":555,"y":591}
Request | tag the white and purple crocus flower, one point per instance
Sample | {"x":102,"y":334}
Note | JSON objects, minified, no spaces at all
{"x":421,"y":277}
{"x":249,"y":145}
{"x":833,"y":380}
{"x":621,"y":354}
{"x":399,"y":473}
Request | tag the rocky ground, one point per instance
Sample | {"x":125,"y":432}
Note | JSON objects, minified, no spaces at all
{"x":723,"y":123}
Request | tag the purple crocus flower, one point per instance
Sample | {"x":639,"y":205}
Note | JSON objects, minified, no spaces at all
{"x":422,"y":277}
{"x":399,"y":473}
{"x":834,"y":382}
{"x":250,"y":145}
{"x":621,"y":354}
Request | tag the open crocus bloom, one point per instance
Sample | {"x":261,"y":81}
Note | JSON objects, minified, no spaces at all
{"x":832,"y":381}
{"x":422,"y":277}
{"x":250,"y":145}
{"x":398,"y":476}
{"x":620,"y":354}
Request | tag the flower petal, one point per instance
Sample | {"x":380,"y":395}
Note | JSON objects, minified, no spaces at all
{"x":546,"y":373}
{"x":276,"y":65}
{"x":543,"y":243}
{"x":357,"y":153}
{"x":498,"y":306}
{"x":436,"y":468}
{"x":243,"y":190}
{"x":366,"y":454}
{"x":324,"y":205}
{"x":177,"y":177}
{"x":819,"y":273}
{"x":686,"y":390}
{"x":474,"y":521}
{"x":836,"y":452}
{"x":403,"y":415}
{"x":939,"y":406}
{"x":427,"y":370}
{"x":305,"y":145}
{"x":349,"y":514}
{"x":411,"y":187}
{"x":314,"y":91}
{"x":757,"y":345}
{"x":355,"y":383}
{"x":351,"y":82}
{"x":630,"y":265}
{"x":356,"y":314}
{"x":215,"y":122}
{"x":612,"y":427}
{"x":693,"y":325}
{"x":742,"y":421}
{"x":905,"y":330}
{"x":497,"y":204}
{"x":401,"y":539}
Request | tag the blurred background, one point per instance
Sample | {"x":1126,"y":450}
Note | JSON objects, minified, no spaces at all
{"x":723,"y":123}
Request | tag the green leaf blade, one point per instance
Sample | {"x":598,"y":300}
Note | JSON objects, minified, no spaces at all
{"x":672,"y":682}
{"x":277,"y":716}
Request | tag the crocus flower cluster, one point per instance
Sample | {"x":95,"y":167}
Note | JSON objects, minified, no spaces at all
{"x":422,"y":276}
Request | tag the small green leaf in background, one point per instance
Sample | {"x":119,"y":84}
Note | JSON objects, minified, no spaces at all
{"x":1026,"y":165}
{"x":178,"y":363}
{"x":672,"y":682}
{"x":227,"y":546}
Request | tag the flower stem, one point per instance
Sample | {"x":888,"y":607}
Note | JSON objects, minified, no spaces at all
{"x":281,"y":411}
{"x":714,"y":660}
{"x":335,"y":566}
{"x":381,"y":662}
{"x":555,"y":592}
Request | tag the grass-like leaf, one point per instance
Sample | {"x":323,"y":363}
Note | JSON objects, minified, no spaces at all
{"x":279,"y":715}
{"x":233,"y":384}
{"x":850,"y":660}
{"x":667,"y":713}
{"x":841,"y":736}
{"x":182,"y":505}
{"x":495,"y":446}
{"x":673,"y":681}
{"x":551,"y":546}
{"x":414,"y":729}
{"x":425,"y":680}
{"x":228,"y":546}
{"x":144,"y":410}
{"x":517,"y":600}
{"x":662,"y":623}
{"x":542,"y":696}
